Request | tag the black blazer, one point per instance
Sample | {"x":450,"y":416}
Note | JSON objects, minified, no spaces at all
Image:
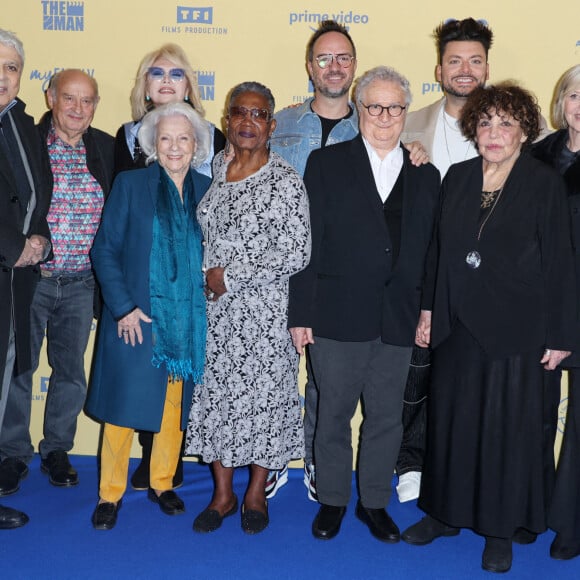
{"x":352,"y":291}
{"x":522,"y":296}
{"x":17,"y":284}
{"x":99,"y":146}
{"x":549,"y":151}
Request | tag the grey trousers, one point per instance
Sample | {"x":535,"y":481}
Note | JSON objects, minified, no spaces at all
{"x":347,"y":372}
{"x":310,"y":411}
{"x":8,"y":369}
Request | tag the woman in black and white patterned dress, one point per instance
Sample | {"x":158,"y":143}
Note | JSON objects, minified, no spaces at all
{"x":257,"y":234}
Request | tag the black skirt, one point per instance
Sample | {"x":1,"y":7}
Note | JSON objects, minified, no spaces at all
{"x":484,"y":466}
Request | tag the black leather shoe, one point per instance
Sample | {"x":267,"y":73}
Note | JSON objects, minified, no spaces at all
{"x":427,"y":530}
{"x":11,"y":518}
{"x":60,"y":472}
{"x":210,"y":520}
{"x":327,"y":522}
{"x":497,"y":555}
{"x":524,"y":537}
{"x":562,"y":549}
{"x":105,"y":515}
{"x":379,"y":522}
{"x":254,"y":521}
{"x":169,"y":502}
{"x":12,"y":472}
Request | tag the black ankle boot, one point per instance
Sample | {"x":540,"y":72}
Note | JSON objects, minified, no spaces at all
{"x":497,"y":555}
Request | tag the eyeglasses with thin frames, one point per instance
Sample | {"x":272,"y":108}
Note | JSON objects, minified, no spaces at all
{"x":175,"y":75}
{"x":237,"y":113}
{"x":325,"y":60}
{"x":376,"y":110}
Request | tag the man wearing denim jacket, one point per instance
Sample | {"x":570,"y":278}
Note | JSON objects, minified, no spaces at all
{"x":325,"y":119}
{"x":299,"y":132}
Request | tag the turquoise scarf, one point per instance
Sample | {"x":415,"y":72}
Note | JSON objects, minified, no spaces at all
{"x":176,"y":282}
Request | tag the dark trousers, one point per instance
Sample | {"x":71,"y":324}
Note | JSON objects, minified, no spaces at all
{"x":63,"y":308}
{"x":310,"y":411}
{"x":412,"y":449}
{"x":347,"y":372}
{"x":564,"y":516}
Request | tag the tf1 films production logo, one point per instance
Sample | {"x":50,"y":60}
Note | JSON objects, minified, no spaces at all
{"x":193,"y":15}
{"x":194,"y":20}
{"x":67,"y":16}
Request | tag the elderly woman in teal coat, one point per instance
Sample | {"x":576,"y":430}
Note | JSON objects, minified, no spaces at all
{"x":150,"y":349}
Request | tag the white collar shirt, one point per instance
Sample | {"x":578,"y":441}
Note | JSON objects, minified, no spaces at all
{"x":385,"y":171}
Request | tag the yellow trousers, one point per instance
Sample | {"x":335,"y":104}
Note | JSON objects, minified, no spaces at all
{"x":116,"y":450}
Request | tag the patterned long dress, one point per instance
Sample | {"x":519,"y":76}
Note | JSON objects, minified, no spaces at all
{"x":248,"y":411}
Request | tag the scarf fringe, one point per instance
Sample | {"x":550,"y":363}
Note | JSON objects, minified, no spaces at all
{"x":178,"y":369}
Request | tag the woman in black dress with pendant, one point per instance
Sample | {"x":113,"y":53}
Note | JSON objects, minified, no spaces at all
{"x":498,"y":295}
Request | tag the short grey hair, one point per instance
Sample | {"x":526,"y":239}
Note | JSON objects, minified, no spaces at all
{"x":201,"y":130}
{"x":10,"y":39}
{"x":253,"y":87}
{"x":382,"y":73}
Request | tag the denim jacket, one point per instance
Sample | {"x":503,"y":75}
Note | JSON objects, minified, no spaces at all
{"x":298,"y":132}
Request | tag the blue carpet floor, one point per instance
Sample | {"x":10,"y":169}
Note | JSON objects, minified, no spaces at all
{"x":59,"y":541}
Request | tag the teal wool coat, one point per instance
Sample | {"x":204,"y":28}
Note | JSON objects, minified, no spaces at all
{"x":125,"y":388}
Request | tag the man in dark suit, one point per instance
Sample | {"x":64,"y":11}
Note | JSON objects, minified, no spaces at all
{"x":24,"y":234}
{"x":357,"y":303}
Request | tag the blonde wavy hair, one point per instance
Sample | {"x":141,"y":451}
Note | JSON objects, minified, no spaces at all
{"x":176,"y":55}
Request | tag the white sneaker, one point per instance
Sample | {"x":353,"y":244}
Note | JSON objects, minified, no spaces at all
{"x":310,"y":481}
{"x":276,"y":479}
{"x":409,"y":486}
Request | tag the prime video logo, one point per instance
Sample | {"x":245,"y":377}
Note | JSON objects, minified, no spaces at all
{"x":65,"y":16}
{"x":195,"y":15}
{"x":342,"y":17}
{"x":427,"y":88}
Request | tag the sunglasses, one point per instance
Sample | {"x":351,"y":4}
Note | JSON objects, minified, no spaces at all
{"x":175,"y":75}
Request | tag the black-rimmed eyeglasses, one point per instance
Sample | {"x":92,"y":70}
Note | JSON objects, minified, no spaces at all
{"x":376,"y":110}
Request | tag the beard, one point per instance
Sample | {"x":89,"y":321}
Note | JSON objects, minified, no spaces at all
{"x":331,"y":92}
{"x":450,"y":90}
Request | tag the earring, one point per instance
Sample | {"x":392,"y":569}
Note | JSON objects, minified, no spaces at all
{"x":147,"y":98}
{"x":186,"y":99}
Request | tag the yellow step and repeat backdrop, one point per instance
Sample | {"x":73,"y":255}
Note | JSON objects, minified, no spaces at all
{"x":229,"y":42}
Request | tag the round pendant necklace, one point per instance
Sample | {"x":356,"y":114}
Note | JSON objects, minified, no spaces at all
{"x":473,"y":258}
